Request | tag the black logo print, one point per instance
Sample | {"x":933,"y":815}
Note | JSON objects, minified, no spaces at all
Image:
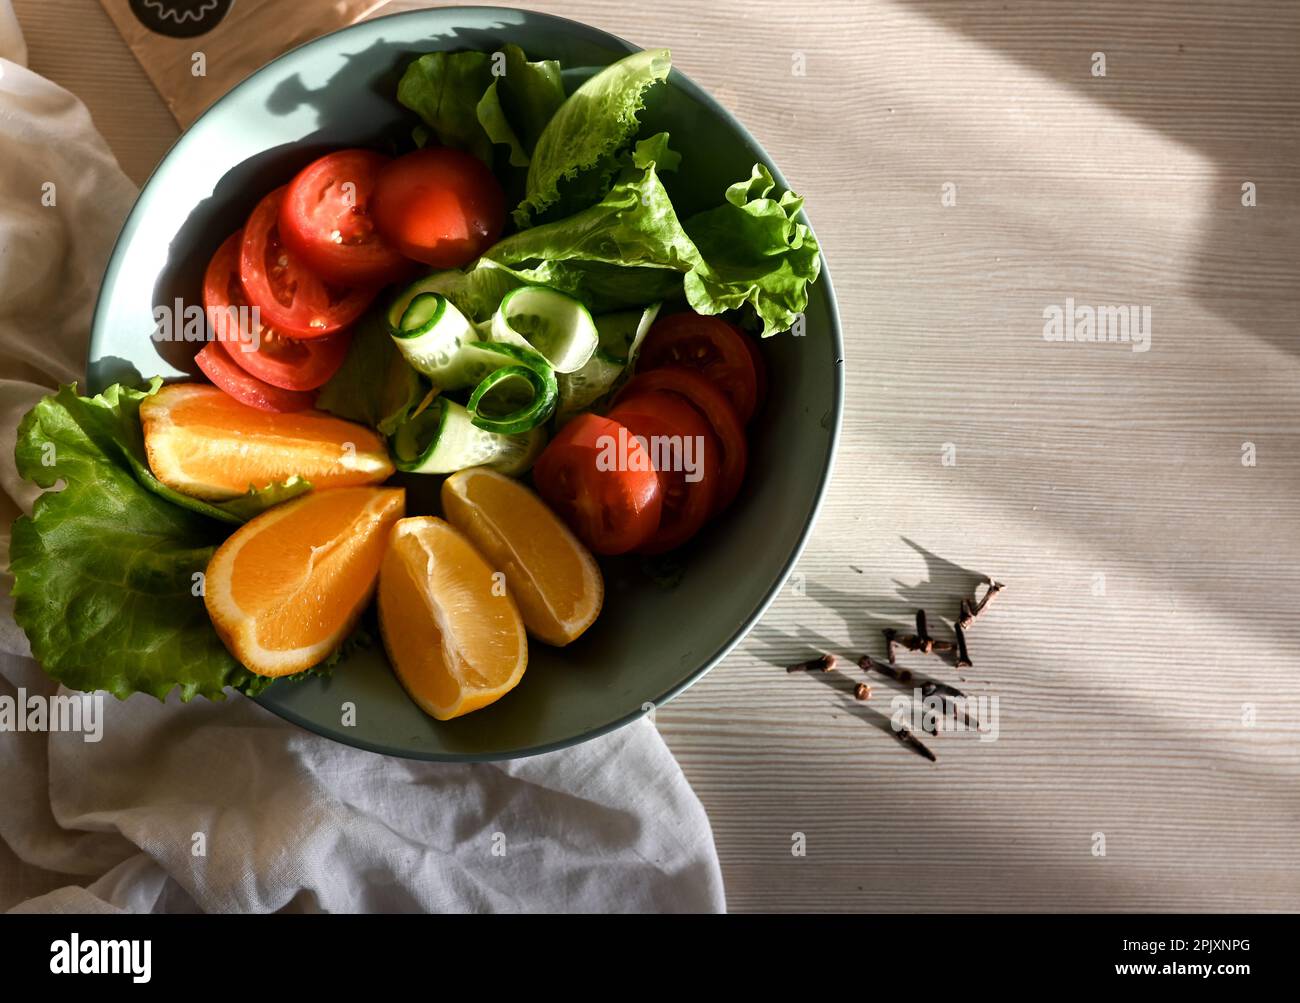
{"x":180,"y":18}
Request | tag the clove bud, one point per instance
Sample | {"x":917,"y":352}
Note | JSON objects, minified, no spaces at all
{"x":822,"y":664}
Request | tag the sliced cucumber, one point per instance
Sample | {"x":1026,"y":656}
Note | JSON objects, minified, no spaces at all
{"x":518,"y":461}
{"x":514,"y":388}
{"x":442,"y":439}
{"x":477,"y":359}
{"x":430,"y":334}
{"x":620,"y":337}
{"x":549,"y":321}
{"x":513,"y":399}
{"x":581,"y":390}
{"x":434,"y":283}
{"x":476,"y":293}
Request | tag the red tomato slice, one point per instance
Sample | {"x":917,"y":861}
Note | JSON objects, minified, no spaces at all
{"x":282,"y":362}
{"x":721,"y":351}
{"x":439,"y":206}
{"x":685,"y":454}
{"x":599,"y":480}
{"x":325,"y":221}
{"x":217,"y":366}
{"x":291,"y":297}
{"x":713,"y":404}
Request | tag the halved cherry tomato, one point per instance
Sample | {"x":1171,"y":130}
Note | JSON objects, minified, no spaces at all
{"x":292,"y":298}
{"x":440,"y":206}
{"x":216,"y":364}
{"x":713,"y":404}
{"x":721,"y":351}
{"x":598,"y":478}
{"x":325,"y":220}
{"x":261,"y":350}
{"x":685,"y":454}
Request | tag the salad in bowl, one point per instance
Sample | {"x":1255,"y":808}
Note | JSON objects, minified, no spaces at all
{"x":441,"y":381}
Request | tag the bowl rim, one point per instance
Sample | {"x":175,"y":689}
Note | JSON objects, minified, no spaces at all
{"x":835,"y":411}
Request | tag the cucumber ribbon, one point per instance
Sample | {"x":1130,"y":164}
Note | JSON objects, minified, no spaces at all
{"x":442,"y":439}
{"x":510,"y":362}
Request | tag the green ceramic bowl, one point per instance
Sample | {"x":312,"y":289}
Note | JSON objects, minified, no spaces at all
{"x":651,"y":641}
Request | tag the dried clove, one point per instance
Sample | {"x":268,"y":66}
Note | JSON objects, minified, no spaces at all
{"x":912,"y":642}
{"x":950,"y":694}
{"x":904,"y":735}
{"x":867,"y":663}
{"x":963,"y":655}
{"x":923,"y":637}
{"x":933,"y":686}
{"x":922,"y":643}
{"x":970,"y":611}
{"x":824,"y":663}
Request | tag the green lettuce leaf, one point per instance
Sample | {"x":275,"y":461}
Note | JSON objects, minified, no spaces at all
{"x":444,"y":89}
{"x":627,"y":250}
{"x":492,"y":117}
{"x":255,"y":502}
{"x":375,"y":385}
{"x":516,"y":107}
{"x":589,"y":130}
{"x":757,"y":252}
{"x":630,"y":248}
{"x":653,"y":151}
{"x":473,"y":100}
{"x":597,"y":221}
{"x":105,"y":568}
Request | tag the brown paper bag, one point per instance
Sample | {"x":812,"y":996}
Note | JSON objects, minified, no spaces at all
{"x":196,"y":50}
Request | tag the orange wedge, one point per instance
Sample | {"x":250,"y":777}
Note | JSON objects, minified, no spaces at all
{"x":453,"y":635}
{"x":287,"y":587}
{"x":553,"y":578}
{"x":203,"y":443}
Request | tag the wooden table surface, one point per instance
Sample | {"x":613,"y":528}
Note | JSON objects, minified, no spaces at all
{"x":1141,"y":506}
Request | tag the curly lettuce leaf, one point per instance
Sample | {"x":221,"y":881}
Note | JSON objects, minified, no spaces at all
{"x":630,"y":248}
{"x":256,"y":501}
{"x":653,"y":151}
{"x":475,"y":100}
{"x":106,"y":570}
{"x":757,"y":252}
{"x":627,"y":250}
{"x":590,"y":128}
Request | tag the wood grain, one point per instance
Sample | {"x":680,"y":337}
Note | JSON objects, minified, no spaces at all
{"x":1153,"y":577}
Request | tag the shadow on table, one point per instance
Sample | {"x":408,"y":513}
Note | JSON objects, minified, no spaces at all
{"x":866,"y":616}
{"x":1231,"y":96}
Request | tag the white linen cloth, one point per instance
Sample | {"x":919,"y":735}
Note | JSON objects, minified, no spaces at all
{"x":289,"y":821}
